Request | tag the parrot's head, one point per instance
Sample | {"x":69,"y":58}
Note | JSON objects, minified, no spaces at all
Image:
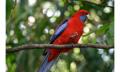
{"x":82,"y":14}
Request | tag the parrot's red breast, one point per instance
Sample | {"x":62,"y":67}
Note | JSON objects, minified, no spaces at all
{"x":70,"y":35}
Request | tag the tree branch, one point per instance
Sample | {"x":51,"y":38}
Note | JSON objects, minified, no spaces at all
{"x":43,"y":46}
{"x":100,"y":5}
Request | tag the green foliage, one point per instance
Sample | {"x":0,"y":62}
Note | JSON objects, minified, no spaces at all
{"x":27,"y":23}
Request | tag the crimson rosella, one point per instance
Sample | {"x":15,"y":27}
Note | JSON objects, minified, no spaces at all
{"x":69,"y":32}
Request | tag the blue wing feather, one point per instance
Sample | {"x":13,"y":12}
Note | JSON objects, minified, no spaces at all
{"x":59,"y":30}
{"x":57,"y":33}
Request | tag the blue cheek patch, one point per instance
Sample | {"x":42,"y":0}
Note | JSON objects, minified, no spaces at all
{"x":83,"y":18}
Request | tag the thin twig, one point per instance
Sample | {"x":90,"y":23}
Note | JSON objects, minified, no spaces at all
{"x":43,"y":46}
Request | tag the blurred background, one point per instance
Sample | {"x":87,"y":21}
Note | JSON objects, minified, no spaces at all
{"x":34,"y":21}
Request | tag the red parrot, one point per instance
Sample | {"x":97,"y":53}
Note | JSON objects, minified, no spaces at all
{"x":69,"y":32}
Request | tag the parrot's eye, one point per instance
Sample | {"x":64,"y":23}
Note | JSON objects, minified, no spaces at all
{"x":83,"y":13}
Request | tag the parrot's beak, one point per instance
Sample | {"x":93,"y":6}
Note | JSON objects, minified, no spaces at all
{"x":88,"y":15}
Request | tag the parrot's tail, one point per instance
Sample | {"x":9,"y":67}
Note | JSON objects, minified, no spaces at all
{"x":46,"y":65}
